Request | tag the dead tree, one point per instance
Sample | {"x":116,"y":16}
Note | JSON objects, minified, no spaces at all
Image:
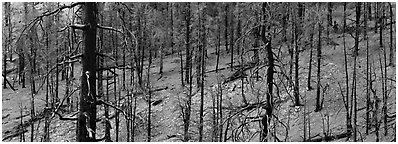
{"x":86,"y":124}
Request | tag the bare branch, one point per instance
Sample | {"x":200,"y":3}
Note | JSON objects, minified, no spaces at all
{"x":104,"y":55}
{"x":60,"y":9}
{"x":63,"y":29}
{"x":391,"y":79}
{"x":109,"y":28}
{"x":127,"y":7}
{"x":54,"y":67}
{"x":115,"y":107}
{"x":75,"y":56}
{"x":66,"y":118}
{"x":63,"y":100}
{"x":79,"y":26}
{"x":108,"y":69}
{"x":47,"y":14}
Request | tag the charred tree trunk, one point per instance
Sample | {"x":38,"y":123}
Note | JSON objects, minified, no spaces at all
{"x":348,"y":100}
{"x":297,"y":32}
{"x":366,"y":17}
{"x":218,"y":46}
{"x":270,"y":76}
{"x":32,"y":46}
{"x":188,"y":74}
{"x":202,"y":73}
{"x":310,"y":62}
{"x":226,"y":27}
{"x":385,"y":97}
{"x":150,"y":97}
{"x":134,"y":114}
{"x":7,"y":40}
{"x":220,"y":112}
{"x":172,"y":28}
{"x":21,"y":51}
{"x":354,"y":85}
{"x":381,"y":23}
{"x":391,"y":36}
{"x":318,"y":73}
{"x":161,"y":60}
{"x":181,"y":68}
{"x":106,"y":113}
{"x":86,"y":124}
{"x":231,"y":36}
{"x":369,"y":10}
{"x":285,"y":18}
{"x":187,"y":42}
{"x":114,"y":38}
{"x":47,"y":110}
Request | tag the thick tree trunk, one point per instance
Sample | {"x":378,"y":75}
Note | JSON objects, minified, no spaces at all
{"x":188,"y":75}
{"x":86,"y":124}
{"x":270,"y":77}
{"x":318,"y":73}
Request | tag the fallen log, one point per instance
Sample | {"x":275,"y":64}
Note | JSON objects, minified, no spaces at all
{"x":330,"y":138}
{"x":17,"y":133}
{"x":217,"y":69}
{"x":237,"y":75}
{"x":156,"y":102}
{"x":154,"y":90}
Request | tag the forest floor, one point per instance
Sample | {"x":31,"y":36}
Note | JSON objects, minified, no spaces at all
{"x":166,"y":118}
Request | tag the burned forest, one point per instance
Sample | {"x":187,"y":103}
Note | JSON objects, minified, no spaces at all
{"x":198,"y":72}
